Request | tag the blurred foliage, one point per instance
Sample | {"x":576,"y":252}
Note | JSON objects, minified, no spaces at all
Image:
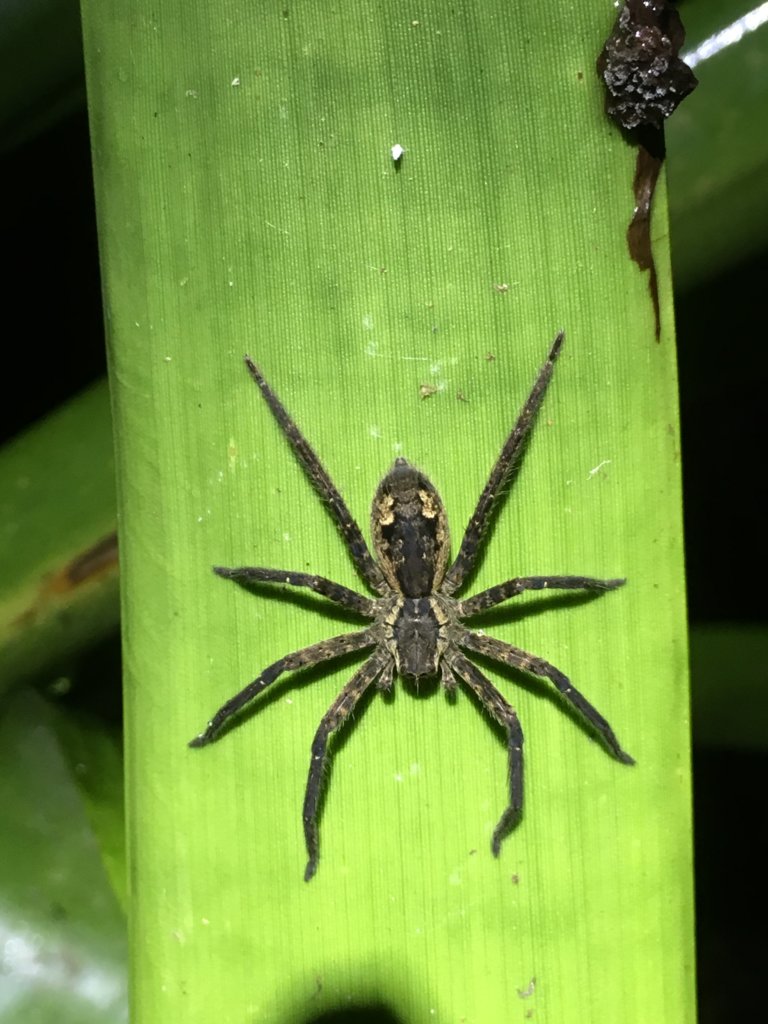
{"x":62,"y":933}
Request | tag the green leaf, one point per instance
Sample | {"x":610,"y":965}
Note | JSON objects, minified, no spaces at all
{"x":58,"y":588}
{"x":728,"y":663}
{"x":248,"y":201}
{"x":62,"y":933}
{"x":717,"y":148}
{"x":41,"y":67}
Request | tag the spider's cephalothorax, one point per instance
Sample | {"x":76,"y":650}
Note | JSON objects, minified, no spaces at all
{"x":417,"y":625}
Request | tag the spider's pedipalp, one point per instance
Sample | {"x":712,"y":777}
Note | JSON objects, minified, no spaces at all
{"x":332,"y":720}
{"x":447,"y":678}
{"x":511,"y":588}
{"x":321,"y":481}
{"x":325,"y":650}
{"x":507,"y":718}
{"x":385,"y":680}
{"x":500,"y":476}
{"x":329,"y":589}
{"x":509,"y":655}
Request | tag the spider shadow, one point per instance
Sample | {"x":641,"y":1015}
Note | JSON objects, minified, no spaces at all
{"x":375,"y":1012}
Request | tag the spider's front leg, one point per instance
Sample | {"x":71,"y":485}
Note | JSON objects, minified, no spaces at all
{"x":509,"y":655}
{"x":312,"y":655}
{"x":506,"y":716}
{"x":376,"y":666}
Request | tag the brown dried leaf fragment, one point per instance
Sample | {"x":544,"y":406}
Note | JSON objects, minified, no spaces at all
{"x":647,"y":169}
{"x":644,"y":77}
{"x":645,"y":81}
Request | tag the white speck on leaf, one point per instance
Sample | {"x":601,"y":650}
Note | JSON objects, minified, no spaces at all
{"x":598,"y":467}
{"x":526,"y":993}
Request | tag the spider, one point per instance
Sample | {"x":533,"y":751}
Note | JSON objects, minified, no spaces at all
{"x":417,"y":626}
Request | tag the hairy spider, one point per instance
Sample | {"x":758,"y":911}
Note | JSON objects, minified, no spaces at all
{"x":417,"y":628}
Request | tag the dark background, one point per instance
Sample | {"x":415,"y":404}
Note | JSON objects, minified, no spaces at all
{"x":54,"y":348}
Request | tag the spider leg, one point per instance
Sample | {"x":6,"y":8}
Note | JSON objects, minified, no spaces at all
{"x":509,"y":655}
{"x":500,"y":476}
{"x":511,"y":588}
{"x":312,"y":655}
{"x":350,"y":531}
{"x":319,"y":584}
{"x":506,"y":716}
{"x":332,"y":720}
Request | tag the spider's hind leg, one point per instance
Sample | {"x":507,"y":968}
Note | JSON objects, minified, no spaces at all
{"x":501,"y":475}
{"x":321,"y":481}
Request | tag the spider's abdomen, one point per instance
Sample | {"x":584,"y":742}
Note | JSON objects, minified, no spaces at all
{"x":410,"y":531}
